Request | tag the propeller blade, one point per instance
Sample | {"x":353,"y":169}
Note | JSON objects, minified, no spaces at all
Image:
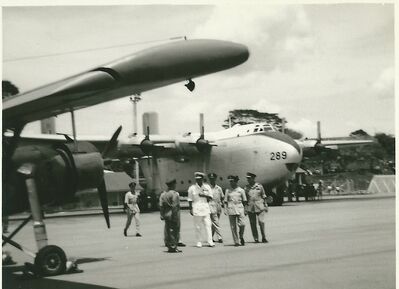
{"x":67,"y":137}
{"x":202,"y":129}
{"x":102,"y":193}
{"x":318,"y":132}
{"x":112,"y":142}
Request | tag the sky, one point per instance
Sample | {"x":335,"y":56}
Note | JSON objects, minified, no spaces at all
{"x":330,"y":63}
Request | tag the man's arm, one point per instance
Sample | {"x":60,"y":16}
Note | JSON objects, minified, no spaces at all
{"x":190,"y":200}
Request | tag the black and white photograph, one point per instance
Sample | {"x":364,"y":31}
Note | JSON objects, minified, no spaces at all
{"x":198,"y":145}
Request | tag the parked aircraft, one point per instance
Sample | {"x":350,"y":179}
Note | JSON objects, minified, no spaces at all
{"x":37,"y":172}
{"x":258,"y":147}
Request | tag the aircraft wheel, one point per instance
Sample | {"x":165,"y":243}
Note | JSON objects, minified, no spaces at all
{"x":50,"y":261}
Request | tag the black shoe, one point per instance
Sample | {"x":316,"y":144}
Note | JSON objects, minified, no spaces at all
{"x":256,"y":241}
{"x":264,"y":240}
{"x":242,"y":242}
{"x":236,"y":245}
{"x":171,"y":250}
{"x":138,"y":235}
{"x":220,"y":240}
{"x":125,"y":232}
{"x":181,"y":244}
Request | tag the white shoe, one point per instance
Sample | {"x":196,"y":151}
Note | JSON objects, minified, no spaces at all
{"x":199,"y":245}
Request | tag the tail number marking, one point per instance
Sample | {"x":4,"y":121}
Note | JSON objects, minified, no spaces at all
{"x":275,"y":156}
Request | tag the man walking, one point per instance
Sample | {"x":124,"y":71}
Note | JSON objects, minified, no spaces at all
{"x":198,"y":196}
{"x":235,"y":200}
{"x":215,"y":206}
{"x":132,"y":209}
{"x":169,"y":205}
{"x":257,"y":206}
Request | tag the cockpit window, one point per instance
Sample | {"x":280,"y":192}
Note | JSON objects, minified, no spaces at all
{"x":268,"y":127}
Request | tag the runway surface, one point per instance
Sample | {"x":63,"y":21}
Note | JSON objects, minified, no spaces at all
{"x":337,"y":244}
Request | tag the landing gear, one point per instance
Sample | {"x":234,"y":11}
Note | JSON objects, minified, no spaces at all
{"x":50,"y":261}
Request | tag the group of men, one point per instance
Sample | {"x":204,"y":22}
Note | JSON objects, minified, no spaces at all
{"x":206,"y":203}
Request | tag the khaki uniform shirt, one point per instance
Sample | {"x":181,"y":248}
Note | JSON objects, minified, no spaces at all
{"x":169,"y":204}
{"x":216,"y":203}
{"x":200,"y":204}
{"x":234,"y":199}
{"x":256,"y":198}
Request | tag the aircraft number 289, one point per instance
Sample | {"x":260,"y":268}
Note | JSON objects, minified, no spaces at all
{"x":278,"y":155}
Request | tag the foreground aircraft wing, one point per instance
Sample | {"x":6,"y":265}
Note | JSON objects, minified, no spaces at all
{"x":149,"y":69}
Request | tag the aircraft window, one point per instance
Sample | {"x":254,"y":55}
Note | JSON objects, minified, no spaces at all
{"x":182,"y":182}
{"x":221,"y":178}
{"x":256,"y":129}
{"x":189,"y":181}
{"x":247,"y":130}
{"x":268,"y":128}
{"x":261,"y":129}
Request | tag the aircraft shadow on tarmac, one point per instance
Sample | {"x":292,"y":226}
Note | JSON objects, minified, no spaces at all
{"x":90,"y":260}
{"x":13,"y":278}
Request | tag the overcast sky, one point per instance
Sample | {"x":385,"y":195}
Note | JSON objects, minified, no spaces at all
{"x":333,"y":63}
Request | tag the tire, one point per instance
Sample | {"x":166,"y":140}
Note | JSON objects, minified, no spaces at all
{"x":50,"y":261}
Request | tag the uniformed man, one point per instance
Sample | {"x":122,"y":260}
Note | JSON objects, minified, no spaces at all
{"x":132,"y":209}
{"x":215,"y":206}
{"x":169,"y":206}
{"x":235,"y":200}
{"x":257,"y":206}
{"x":198,"y":196}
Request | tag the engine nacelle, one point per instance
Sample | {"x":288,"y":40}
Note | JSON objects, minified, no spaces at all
{"x":60,"y":177}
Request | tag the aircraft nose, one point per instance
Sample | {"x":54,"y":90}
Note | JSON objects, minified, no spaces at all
{"x":294,"y":158}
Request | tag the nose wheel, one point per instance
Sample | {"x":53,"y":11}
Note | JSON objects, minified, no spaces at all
{"x":50,"y":261}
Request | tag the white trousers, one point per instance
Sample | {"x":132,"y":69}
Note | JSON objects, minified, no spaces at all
{"x":203,"y":222}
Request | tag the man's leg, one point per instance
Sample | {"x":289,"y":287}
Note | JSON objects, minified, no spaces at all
{"x":241,"y":226}
{"x":137,"y":221}
{"x":166,"y":231}
{"x":261,"y":221}
{"x":197,"y":227}
{"x":252,"y":221}
{"x":218,"y":230}
{"x":129,"y":214}
{"x":233,"y":227}
{"x":208,"y":229}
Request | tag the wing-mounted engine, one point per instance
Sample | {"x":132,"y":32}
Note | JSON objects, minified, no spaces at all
{"x":75,"y":166}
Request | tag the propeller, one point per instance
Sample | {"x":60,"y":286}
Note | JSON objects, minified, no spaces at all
{"x":102,"y":193}
{"x":202,"y":144}
{"x":101,"y":189}
{"x":112,"y":142}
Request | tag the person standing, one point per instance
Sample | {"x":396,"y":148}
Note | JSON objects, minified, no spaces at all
{"x":235,"y":200}
{"x":257,"y":207}
{"x":169,"y":206}
{"x":198,"y":196}
{"x":216,"y":205}
{"x":132,"y":209}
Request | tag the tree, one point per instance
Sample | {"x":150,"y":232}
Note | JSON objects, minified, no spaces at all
{"x":9,"y":89}
{"x":359,"y":133}
{"x":387,"y":142}
{"x":246,"y":116}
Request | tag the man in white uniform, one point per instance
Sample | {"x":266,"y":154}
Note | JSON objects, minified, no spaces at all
{"x":198,"y":196}
{"x":132,"y":209}
{"x":216,"y":205}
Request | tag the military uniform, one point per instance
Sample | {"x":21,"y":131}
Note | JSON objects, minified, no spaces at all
{"x":169,"y":204}
{"x":201,"y":211}
{"x":234,"y":199}
{"x":215,"y":206}
{"x":256,"y":209}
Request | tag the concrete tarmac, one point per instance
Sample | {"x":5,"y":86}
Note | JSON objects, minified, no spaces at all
{"x":336,"y":244}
